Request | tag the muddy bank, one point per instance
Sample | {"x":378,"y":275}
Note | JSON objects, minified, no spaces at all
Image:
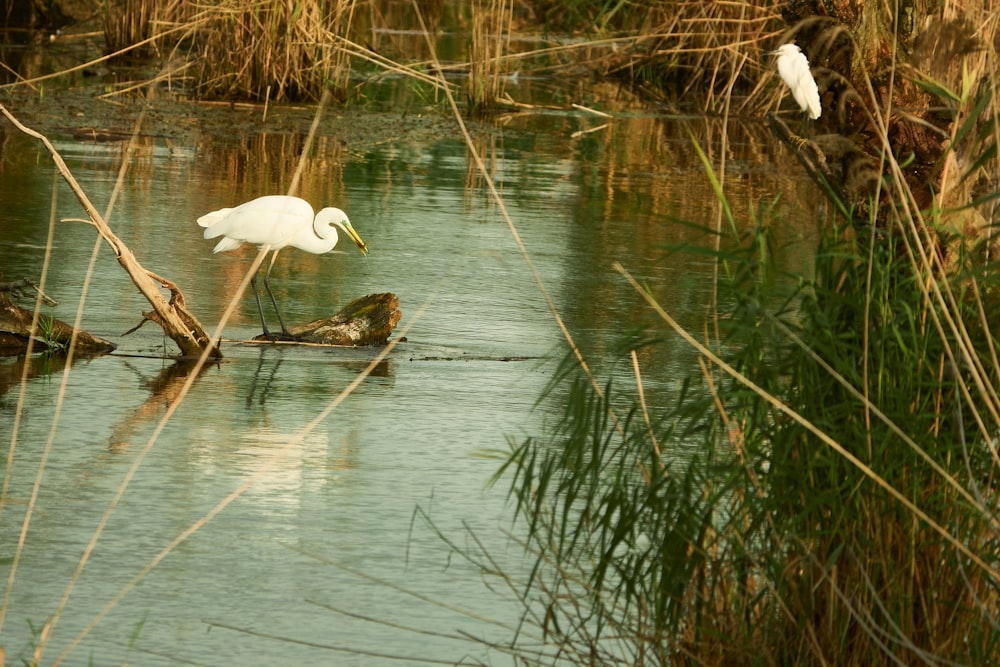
{"x":82,"y":113}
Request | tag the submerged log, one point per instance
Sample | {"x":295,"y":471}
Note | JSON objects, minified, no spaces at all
{"x":368,"y":320}
{"x":51,"y":334}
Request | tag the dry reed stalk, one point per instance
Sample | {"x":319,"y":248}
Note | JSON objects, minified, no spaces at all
{"x":498,"y":199}
{"x":491,"y":23}
{"x":388,"y":66}
{"x":276,"y":50}
{"x":686,"y":49}
{"x":127,"y":22}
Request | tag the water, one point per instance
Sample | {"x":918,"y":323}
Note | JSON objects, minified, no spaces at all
{"x":340,"y":501}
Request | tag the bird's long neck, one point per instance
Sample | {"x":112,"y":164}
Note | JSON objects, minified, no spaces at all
{"x":321,"y":238}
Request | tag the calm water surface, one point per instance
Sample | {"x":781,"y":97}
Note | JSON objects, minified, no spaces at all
{"x":285,"y":556}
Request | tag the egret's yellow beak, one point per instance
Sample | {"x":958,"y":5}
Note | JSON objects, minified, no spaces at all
{"x":362,"y":246}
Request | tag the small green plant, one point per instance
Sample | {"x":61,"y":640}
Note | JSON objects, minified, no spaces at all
{"x":51,"y":335}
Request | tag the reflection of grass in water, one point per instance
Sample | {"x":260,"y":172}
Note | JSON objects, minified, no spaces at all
{"x":491,"y":22}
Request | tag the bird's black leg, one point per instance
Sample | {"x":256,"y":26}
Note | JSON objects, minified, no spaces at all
{"x":281,"y":321}
{"x":260,"y":308}
{"x":267,"y":286}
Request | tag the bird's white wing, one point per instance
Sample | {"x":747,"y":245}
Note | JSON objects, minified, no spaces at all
{"x":271,"y":220}
{"x":807,"y":93}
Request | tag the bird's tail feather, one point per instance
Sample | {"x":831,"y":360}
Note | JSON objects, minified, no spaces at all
{"x":210,"y":219}
{"x":227,"y":244}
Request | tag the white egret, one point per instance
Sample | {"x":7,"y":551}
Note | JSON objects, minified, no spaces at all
{"x":793,"y":66}
{"x":274,"y":222}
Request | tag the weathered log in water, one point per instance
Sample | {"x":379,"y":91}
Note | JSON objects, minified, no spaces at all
{"x":368,"y":320}
{"x":51,"y":334}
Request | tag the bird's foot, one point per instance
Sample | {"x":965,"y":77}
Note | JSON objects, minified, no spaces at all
{"x":799,"y":142}
{"x":272,"y":337}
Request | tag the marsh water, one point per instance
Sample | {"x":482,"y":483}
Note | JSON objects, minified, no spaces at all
{"x":327,"y":557}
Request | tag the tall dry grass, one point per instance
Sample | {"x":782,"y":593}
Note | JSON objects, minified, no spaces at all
{"x":127,"y":22}
{"x":274,"y":50}
{"x":844,"y":510}
{"x":489,"y":41}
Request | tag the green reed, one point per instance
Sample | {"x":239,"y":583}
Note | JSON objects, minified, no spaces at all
{"x":730,"y":533}
{"x":822,"y":487}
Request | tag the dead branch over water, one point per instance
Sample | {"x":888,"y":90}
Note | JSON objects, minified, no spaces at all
{"x":177,"y":321}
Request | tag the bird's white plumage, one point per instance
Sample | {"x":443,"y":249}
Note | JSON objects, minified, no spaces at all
{"x":278,"y":221}
{"x":793,"y":67}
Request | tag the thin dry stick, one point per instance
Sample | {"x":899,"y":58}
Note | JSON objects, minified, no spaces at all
{"x":297,"y":176}
{"x":580,"y":107}
{"x":264,"y":470}
{"x":388,"y":65}
{"x":812,"y":428}
{"x":53,"y":427}
{"x":163,"y":75}
{"x":60,"y":398}
{"x":733,"y":431}
{"x":642,"y":403}
{"x":712,"y":316}
{"x":865,"y":336}
{"x":580,"y":133}
{"x":518,"y":591}
{"x":408,"y":659}
{"x":90,"y":63}
{"x":720,"y":210}
{"x":389,"y":624}
{"x":423,"y":597}
{"x":929,"y":261}
{"x":49,"y":627}
{"x":981,"y":310}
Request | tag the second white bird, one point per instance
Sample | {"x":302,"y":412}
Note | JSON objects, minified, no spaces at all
{"x":793,"y":67}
